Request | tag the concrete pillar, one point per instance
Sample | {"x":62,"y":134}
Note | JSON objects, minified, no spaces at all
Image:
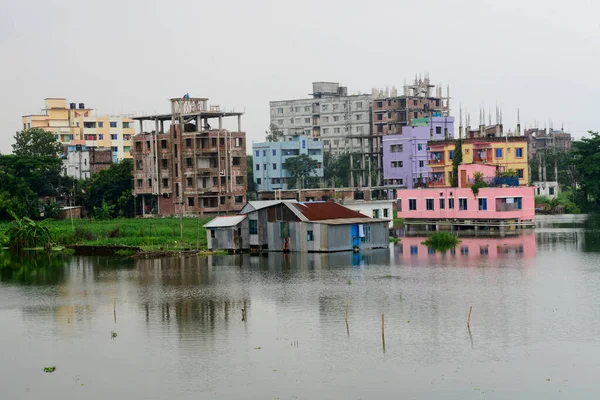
{"x":351,"y":170}
{"x":199,"y":123}
{"x":220,"y":122}
{"x":239,"y":123}
{"x":141,"y":126}
{"x":162,"y":126}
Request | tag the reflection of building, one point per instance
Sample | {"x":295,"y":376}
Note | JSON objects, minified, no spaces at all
{"x":77,"y":125}
{"x":411,"y":248}
{"x":190,"y":168}
{"x":270,"y":171}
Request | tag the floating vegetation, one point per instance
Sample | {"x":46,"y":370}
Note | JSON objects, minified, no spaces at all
{"x":441,"y":241}
{"x":258,"y":348}
{"x":49,"y":370}
{"x":349,"y":281}
{"x":113,"y":334}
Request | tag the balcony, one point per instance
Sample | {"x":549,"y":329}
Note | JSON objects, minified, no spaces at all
{"x":482,"y":155}
{"x":436,"y":179}
{"x":436,"y":158}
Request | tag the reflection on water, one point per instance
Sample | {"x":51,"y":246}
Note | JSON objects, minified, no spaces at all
{"x":181,"y":335}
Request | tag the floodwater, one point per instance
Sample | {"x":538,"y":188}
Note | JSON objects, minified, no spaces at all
{"x":535,"y":323}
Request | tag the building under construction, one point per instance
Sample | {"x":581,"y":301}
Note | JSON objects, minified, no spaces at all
{"x":187,"y":163}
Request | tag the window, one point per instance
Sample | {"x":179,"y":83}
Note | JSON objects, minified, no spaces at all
{"x":359,"y":129}
{"x":307,"y":108}
{"x":89,"y":124}
{"x":274,"y":152}
{"x":163,"y":144}
{"x":279,"y":122}
{"x":336,"y":118}
{"x":213,"y":233}
{"x":239,"y":141}
{"x":376,"y":213}
{"x":307,"y":120}
{"x":451,"y":204}
{"x":498,"y":153}
{"x":462,"y":204}
{"x":325,"y":119}
{"x":236,"y":161}
{"x":188,"y":142}
{"x":189,"y":182}
{"x":519,"y":152}
{"x":451,"y":155}
{"x":149,"y":183}
{"x":239,"y":180}
{"x":416,"y":114}
{"x":336,"y":130}
{"x":325,"y":142}
{"x":140,"y":183}
{"x":442,"y":204}
{"x":101,"y":136}
{"x":464,"y":250}
{"x":139,"y":164}
{"x":482,"y":204}
{"x":325,"y":107}
{"x":239,"y":199}
{"x":292,"y":121}
{"x":258,"y":167}
{"x":253,"y":226}
{"x":412,"y":204}
{"x":100,"y":124}
{"x":420,"y":146}
{"x":190,"y":201}
{"x":113,"y":137}
{"x":396,"y":148}
{"x":386,"y":213}
{"x":114,"y":149}
{"x":113,"y":124}
{"x":358,"y":117}
{"x":325,"y":131}
{"x":274,"y":166}
{"x":125,"y":125}
{"x":309,"y":236}
{"x":165,"y":182}
{"x":164,"y":163}
{"x":258,"y":181}
{"x":414,"y":249}
{"x":415,"y":102}
{"x":257,"y":153}
{"x":520,"y":173}
{"x":264,"y":153}
{"x":297,"y":109}
{"x":438,"y":130}
{"x":359,"y":105}
{"x":396,"y":164}
{"x":421,"y":163}
{"x":280,"y":110}
{"x":429,"y":204}
{"x":188,"y":163}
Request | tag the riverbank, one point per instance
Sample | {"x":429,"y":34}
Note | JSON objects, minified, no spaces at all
{"x":160,"y":234}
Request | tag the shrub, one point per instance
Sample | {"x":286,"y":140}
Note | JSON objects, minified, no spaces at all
{"x":25,"y":233}
{"x":441,"y":241}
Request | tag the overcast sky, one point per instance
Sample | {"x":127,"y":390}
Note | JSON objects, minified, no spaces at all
{"x":541,"y":56}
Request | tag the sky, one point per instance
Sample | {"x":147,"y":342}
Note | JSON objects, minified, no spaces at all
{"x":131,"y":56}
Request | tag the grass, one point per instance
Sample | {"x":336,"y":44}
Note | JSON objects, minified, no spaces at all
{"x":441,"y":241}
{"x":149,"y":234}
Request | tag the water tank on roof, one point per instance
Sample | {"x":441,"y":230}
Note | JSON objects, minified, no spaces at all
{"x":81,"y":106}
{"x":72,"y":106}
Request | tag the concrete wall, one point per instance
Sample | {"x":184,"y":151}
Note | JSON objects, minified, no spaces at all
{"x":548,"y":189}
{"x":495,"y":198}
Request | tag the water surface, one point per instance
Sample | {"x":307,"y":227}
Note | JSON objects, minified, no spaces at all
{"x":534,"y":325}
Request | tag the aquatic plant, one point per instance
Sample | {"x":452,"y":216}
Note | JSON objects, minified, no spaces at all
{"x":49,"y":370}
{"x":441,"y":241}
{"x":113,"y":334}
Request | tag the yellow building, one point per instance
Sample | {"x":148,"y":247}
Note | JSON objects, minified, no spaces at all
{"x":506,"y":153}
{"x":74,"y":124}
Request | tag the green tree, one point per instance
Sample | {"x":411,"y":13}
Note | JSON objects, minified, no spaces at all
{"x":586,"y":158}
{"x":337,"y":168}
{"x":112,"y":186}
{"x":456,"y":161}
{"x":250,"y":173}
{"x":274,"y":133}
{"x":302,"y":168}
{"x":36,"y":142}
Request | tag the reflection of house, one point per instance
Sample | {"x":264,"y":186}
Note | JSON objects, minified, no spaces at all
{"x":411,"y":248}
{"x":501,"y":206}
{"x":227,"y":233}
{"x":309,"y":227}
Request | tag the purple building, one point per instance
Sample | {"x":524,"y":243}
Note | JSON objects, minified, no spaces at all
{"x":405,"y":155}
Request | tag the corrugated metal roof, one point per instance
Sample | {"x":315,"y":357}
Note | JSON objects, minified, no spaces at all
{"x":323,"y":210}
{"x":260,"y":204}
{"x":350,"y":221}
{"x":222,"y":222}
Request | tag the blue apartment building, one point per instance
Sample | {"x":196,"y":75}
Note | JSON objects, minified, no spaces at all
{"x":270,"y":157}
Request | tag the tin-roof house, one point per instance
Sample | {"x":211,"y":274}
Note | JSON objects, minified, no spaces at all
{"x":228,"y":233}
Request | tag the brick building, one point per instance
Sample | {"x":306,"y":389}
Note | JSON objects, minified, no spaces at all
{"x":192,"y":167}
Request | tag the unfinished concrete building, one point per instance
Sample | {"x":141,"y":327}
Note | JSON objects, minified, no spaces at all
{"x":342,"y":121}
{"x":191,"y":167}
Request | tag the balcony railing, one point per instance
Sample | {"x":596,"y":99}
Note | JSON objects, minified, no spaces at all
{"x":493,"y":181}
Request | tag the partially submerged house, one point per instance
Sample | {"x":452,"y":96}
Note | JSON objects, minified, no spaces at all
{"x":228,"y":233}
{"x":319,"y":226}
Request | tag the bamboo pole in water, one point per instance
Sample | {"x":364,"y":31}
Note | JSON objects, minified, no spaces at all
{"x":115,"y":309}
{"x":347,"y":327}
{"x":382,"y":332}
{"x":469,"y":319}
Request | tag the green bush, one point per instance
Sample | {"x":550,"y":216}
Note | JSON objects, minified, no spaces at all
{"x":25,"y":233}
{"x":441,"y":241}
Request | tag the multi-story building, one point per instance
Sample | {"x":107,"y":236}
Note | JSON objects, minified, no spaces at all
{"x":391,"y":113}
{"x":503,"y":152}
{"x":405,"y":154}
{"x":190,"y":167}
{"x":73,"y":124}
{"x":542,"y":140}
{"x":341,"y":121}
{"x":81,"y":162}
{"x":270,"y":171}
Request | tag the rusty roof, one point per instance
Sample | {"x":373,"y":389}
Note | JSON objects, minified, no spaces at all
{"x":324,"y":210}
